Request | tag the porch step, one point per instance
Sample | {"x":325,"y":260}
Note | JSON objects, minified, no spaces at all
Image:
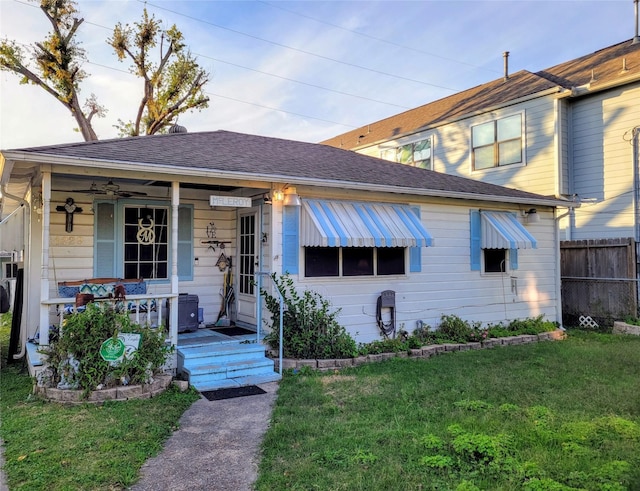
{"x":211,"y":366}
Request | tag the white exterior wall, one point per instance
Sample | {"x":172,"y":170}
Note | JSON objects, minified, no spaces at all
{"x":71,"y":254}
{"x":447,"y":285}
{"x":603,"y":162}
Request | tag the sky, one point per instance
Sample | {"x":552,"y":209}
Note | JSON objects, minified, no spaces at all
{"x":308,"y":70}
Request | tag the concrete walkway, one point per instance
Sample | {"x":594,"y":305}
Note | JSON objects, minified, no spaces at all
{"x":216,"y":447}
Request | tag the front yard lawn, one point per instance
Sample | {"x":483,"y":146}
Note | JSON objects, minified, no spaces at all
{"x":49,"y":446}
{"x":546,"y":416}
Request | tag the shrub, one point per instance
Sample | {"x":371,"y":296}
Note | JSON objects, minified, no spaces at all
{"x":74,"y":355}
{"x":310,"y":327}
{"x":453,"y":328}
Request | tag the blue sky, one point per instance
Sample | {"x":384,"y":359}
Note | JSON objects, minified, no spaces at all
{"x":309,"y":70}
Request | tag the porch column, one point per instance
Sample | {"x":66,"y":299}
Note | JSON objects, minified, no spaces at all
{"x":44,"y":268}
{"x":173,"y":321}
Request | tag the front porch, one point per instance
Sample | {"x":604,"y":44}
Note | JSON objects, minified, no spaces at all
{"x":210,"y":359}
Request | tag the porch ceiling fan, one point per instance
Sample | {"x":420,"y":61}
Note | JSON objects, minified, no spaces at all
{"x":110,"y":189}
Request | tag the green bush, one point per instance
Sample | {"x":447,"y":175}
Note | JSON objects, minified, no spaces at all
{"x":453,"y":328}
{"x":516,"y":327}
{"x":74,"y":353}
{"x":310,"y":327}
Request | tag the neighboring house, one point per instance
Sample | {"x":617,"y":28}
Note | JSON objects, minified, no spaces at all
{"x":346,"y":225}
{"x":569,"y":131}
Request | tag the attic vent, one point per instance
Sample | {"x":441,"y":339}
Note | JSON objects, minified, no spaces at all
{"x":176,"y":128}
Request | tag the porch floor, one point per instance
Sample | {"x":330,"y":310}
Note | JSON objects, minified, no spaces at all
{"x":207,"y":335}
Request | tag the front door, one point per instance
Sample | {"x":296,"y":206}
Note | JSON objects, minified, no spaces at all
{"x":247,"y":263}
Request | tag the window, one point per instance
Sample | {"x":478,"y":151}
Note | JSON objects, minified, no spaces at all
{"x":416,"y":154}
{"x":497,"y":143}
{"x":495,"y":260}
{"x":145,"y":243}
{"x":496,"y":237}
{"x":353,"y":261}
{"x":11,"y":270}
{"x":133,"y":241}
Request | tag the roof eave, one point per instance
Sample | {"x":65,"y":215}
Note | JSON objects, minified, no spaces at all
{"x":429,"y":127}
{"x":42,"y":158}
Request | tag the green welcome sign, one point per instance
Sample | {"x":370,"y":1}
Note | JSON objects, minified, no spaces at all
{"x":112,"y":349}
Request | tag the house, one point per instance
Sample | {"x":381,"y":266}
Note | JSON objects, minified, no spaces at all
{"x":571,"y":130}
{"x":184,"y":210}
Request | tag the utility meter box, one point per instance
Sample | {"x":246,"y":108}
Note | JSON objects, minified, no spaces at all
{"x":187,"y":312}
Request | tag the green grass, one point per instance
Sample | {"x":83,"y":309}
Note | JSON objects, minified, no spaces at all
{"x":49,"y":446}
{"x":546,"y":416}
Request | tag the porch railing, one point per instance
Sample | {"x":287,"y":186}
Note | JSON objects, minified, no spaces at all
{"x":139,"y":306}
{"x":260,"y":274}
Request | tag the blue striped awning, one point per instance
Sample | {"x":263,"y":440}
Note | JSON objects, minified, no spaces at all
{"x":355,"y":224}
{"x":502,"y":230}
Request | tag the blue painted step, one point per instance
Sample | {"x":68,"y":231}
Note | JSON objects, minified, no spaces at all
{"x":210,"y":366}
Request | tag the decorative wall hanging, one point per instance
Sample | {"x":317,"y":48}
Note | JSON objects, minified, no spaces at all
{"x":146,"y":235}
{"x":211,"y":230}
{"x":222,"y":262}
{"x":69,"y":208}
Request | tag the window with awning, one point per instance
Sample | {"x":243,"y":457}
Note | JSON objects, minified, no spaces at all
{"x":326,"y":223}
{"x":496,"y":237}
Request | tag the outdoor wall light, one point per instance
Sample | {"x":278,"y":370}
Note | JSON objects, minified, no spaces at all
{"x":278,"y":195}
{"x":531,"y":215}
{"x":291,"y":197}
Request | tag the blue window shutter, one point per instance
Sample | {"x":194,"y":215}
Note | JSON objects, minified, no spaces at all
{"x":513,"y":258}
{"x":185,"y":242}
{"x":290,"y":239}
{"x":415,"y":253}
{"x":476,"y":244}
{"x":104,"y":258}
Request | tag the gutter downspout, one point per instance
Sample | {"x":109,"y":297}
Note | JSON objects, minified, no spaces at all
{"x":556,"y":231}
{"x":23,"y":205}
{"x":635,"y":137}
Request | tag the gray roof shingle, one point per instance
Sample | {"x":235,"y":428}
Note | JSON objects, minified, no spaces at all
{"x":257,"y":158}
{"x":597,"y":69}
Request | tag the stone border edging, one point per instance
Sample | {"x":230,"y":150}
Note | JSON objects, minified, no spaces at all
{"x":620,"y":327}
{"x":120,"y":393}
{"x":424,"y":352}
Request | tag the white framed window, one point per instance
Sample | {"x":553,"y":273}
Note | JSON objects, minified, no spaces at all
{"x":494,"y":260}
{"x":133,"y":240}
{"x":354,"y":261}
{"x":415,"y":154}
{"x":146,"y":243}
{"x":497,"y":143}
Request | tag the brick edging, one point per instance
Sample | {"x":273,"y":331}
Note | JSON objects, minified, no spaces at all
{"x":121,"y":393}
{"x":424,"y":352}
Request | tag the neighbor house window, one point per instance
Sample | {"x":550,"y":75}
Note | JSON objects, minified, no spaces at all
{"x":416,"y":154}
{"x":353,"y":261}
{"x":497,"y":143}
{"x":133,"y":241}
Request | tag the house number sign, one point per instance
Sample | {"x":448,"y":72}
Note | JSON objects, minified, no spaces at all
{"x":146,"y":235}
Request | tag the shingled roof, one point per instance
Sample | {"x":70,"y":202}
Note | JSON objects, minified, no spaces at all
{"x":250,"y":157}
{"x":614,"y":65}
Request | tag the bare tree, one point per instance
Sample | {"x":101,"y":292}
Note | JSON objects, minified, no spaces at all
{"x":58,"y":64}
{"x":172,"y":85}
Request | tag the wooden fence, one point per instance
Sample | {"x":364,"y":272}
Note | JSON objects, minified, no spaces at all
{"x":598,"y":280}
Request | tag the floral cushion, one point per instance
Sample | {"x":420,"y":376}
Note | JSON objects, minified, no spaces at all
{"x":97,"y":289}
